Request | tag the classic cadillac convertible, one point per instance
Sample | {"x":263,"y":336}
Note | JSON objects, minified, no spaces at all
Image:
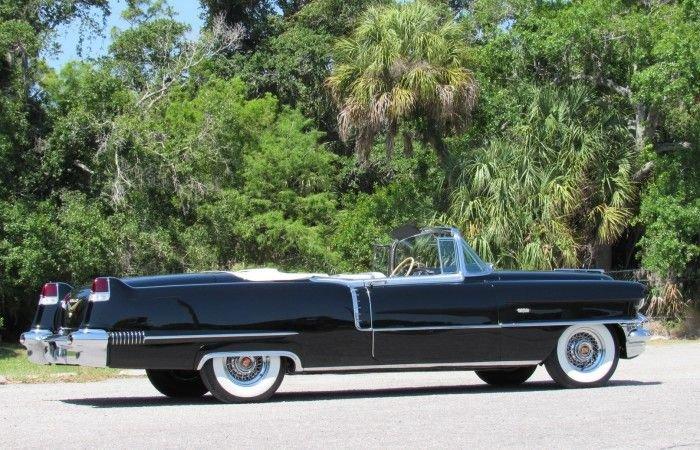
{"x":437,"y":307}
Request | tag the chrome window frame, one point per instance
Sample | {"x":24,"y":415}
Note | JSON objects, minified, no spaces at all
{"x":461,"y":242}
{"x":457,"y":277}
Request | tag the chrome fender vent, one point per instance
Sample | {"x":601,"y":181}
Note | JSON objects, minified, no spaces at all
{"x":126,"y":337}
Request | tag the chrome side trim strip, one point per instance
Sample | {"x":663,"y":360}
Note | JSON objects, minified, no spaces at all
{"x":417,"y":280}
{"x":437,"y":328}
{"x":293,"y":356}
{"x":126,"y":337}
{"x":371,"y":316}
{"x":422,"y":366}
{"x":184,"y":337}
{"x":557,"y":323}
{"x":355,"y":308}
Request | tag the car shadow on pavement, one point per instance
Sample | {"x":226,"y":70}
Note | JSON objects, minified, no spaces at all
{"x":343,"y":394}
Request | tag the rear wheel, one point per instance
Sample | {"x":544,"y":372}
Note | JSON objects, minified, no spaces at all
{"x":177,"y":383}
{"x":586,"y":356}
{"x":243,"y":379}
{"x":506,"y":377}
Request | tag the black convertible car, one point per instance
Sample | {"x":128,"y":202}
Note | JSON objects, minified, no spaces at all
{"x":437,"y":307}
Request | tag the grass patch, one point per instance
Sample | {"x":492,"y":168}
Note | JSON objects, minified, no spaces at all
{"x":16,"y":368}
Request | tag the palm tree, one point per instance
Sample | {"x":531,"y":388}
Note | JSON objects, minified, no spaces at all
{"x":555,"y":188}
{"x":404,"y":63}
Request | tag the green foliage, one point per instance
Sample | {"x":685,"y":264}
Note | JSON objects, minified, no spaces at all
{"x":403,"y":63}
{"x":554,"y":183}
{"x":141,"y":52}
{"x":670,"y":211}
{"x":409,"y":194}
{"x":256,"y":16}
{"x":670,"y":247}
{"x":170,"y":154}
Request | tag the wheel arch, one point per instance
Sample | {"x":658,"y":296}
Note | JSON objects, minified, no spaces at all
{"x":293,"y":360}
{"x":619,"y":335}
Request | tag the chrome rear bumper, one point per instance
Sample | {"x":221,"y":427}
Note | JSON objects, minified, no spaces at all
{"x":636,"y":337}
{"x":83,"y":347}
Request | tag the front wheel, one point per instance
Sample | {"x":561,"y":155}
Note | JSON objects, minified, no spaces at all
{"x":177,"y":383}
{"x":586,"y":356}
{"x":506,"y":377}
{"x":243,"y":379}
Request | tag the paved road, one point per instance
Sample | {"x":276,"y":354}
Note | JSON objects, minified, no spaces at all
{"x":653,"y":401}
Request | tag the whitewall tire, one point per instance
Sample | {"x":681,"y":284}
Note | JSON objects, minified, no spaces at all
{"x":242,"y":379}
{"x":585,"y":356}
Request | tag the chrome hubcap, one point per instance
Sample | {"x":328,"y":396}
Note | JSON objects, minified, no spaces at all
{"x":247,"y":370}
{"x":584,"y":351}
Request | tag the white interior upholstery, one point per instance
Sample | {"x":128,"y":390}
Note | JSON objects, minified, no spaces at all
{"x":271,"y":274}
{"x":360,"y":276}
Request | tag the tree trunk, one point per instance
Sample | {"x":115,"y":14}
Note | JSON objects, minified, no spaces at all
{"x":390,"y":137}
{"x":602,"y":256}
{"x":363,"y":146}
{"x":434,"y":138}
{"x":645,"y":123}
{"x":407,"y":144}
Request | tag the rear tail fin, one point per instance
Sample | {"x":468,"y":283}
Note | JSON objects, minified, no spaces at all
{"x":49,"y":311}
{"x":100,"y":289}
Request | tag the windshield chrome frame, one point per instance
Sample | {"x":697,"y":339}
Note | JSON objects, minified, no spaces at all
{"x":459,"y":241}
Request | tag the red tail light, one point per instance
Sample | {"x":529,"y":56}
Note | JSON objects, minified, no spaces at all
{"x":100,"y":290}
{"x":49,"y":294}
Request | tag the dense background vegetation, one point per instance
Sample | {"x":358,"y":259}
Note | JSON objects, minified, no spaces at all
{"x":297,"y":133}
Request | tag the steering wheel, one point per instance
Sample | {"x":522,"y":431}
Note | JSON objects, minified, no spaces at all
{"x":410,"y":262}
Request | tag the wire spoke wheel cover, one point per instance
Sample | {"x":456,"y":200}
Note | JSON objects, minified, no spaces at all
{"x":247,"y":370}
{"x":586,"y":355}
{"x":243,"y":378}
{"x":584,"y":350}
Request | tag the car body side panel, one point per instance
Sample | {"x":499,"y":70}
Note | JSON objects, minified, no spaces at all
{"x":451,"y":323}
{"x":527,"y":306}
{"x":318,"y":316}
{"x":316,"y":321}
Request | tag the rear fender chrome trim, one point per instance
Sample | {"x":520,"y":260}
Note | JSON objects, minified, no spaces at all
{"x":560,"y":323}
{"x":423,"y":366}
{"x":126,"y":337}
{"x":293,"y":356}
{"x":438,"y":328}
{"x":160,"y":339}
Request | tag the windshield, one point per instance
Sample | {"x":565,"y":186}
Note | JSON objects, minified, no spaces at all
{"x":437,"y":251}
{"x":425,"y":254}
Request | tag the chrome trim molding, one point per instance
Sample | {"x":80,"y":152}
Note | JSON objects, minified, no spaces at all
{"x":554,"y":323}
{"x":184,"y":337}
{"x":418,"y":279}
{"x":438,"y":328}
{"x":558,"y":323}
{"x":297,"y":361}
{"x":636,"y":337}
{"x":423,"y":366}
{"x":126,"y":337}
{"x":85,"y":347}
{"x":33,"y":341}
{"x":355,"y":308}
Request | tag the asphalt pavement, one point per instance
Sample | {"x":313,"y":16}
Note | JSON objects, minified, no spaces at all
{"x":653,"y":401}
